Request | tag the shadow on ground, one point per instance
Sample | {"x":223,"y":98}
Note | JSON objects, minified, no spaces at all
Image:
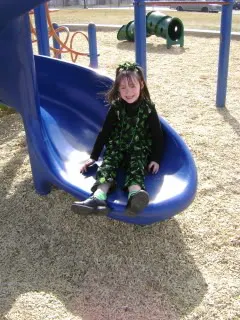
{"x":96,"y":268}
{"x":230,"y":119}
{"x":152,"y":48}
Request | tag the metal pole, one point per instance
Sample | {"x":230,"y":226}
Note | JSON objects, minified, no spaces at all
{"x":140,"y":34}
{"x":42,"y":30}
{"x":224,"y":48}
{"x":92,"y":42}
{"x":55,"y":43}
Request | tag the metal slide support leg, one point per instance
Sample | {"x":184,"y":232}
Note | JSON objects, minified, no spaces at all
{"x":55,"y":43}
{"x":92,"y":41}
{"x":42,"y":30}
{"x":140,"y":34}
{"x":224,"y":48}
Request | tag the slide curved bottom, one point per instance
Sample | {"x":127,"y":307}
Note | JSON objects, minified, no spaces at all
{"x":72,"y":112}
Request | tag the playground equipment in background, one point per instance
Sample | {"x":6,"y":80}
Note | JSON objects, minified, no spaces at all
{"x":224,"y":44}
{"x":60,"y":46}
{"x":62,"y":113}
{"x":158,"y":24}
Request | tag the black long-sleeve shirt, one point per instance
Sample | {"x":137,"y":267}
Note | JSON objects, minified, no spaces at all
{"x":131,"y":110}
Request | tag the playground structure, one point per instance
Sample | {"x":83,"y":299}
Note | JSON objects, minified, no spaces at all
{"x":42,"y":16}
{"x":158,"y":24}
{"x":57,"y":101}
{"x":224,"y":47}
{"x":54,"y":97}
{"x":141,"y":34}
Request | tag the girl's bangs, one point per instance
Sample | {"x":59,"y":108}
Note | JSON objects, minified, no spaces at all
{"x":129,"y":75}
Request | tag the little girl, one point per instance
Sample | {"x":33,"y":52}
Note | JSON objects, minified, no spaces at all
{"x":133,"y":137}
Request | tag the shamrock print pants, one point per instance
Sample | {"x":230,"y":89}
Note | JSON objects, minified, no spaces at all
{"x":134,"y":165}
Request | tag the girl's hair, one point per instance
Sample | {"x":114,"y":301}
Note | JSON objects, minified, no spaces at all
{"x":128,"y":70}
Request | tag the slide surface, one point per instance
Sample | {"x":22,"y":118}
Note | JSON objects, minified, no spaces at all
{"x":72,"y":111}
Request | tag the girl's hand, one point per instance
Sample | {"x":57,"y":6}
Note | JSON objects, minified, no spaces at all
{"x":88,"y":163}
{"x":153,"y":167}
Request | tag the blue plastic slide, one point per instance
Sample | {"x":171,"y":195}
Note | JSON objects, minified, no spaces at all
{"x":62,"y":107}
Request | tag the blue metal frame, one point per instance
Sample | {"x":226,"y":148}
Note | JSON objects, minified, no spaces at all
{"x":140,"y":42}
{"x":224,"y":49}
{"x":43,"y":40}
{"x":42,"y":30}
{"x":92,"y":42}
{"x":56,"y":45}
{"x":140,"y":34}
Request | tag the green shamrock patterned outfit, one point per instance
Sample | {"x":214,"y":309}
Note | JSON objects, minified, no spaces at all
{"x":129,"y":143}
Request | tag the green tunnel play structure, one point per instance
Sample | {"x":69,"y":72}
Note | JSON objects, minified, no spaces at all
{"x":157,"y":24}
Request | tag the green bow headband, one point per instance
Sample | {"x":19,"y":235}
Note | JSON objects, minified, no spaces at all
{"x":128,"y":66}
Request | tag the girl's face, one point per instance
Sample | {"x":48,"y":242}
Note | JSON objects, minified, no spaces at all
{"x":129,"y":89}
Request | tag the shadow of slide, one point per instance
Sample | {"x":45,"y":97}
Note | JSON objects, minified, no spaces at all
{"x":94,"y":267}
{"x":8,"y":122}
{"x":58,"y":264}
